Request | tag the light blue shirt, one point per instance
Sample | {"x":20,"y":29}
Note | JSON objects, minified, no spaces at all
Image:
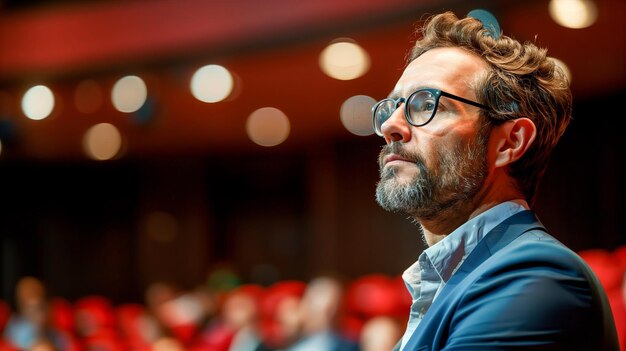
{"x":434,"y":267}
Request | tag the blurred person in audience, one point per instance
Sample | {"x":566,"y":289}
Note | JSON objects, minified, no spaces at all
{"x":130,"y":319}
{"x":380,"y":333}
{"x":213,"y":332}
{"x":207,"y":299}
{"x":287,"y":319}
{"x":94,"y":316}
{"x":183,"y":316}
{"x":178,"y":313}
{"x":318,"y":312}
{"x":95,"y":323}
{"x":155,"y":321}
{"x":279,"y":313}
{"x":237,"y":326}
{"x":31,"y":321}
{"x":240,"y":313}
{"x":469,"y":128}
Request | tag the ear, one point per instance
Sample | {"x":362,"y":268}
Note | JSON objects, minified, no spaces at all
{"x":514,"y":137}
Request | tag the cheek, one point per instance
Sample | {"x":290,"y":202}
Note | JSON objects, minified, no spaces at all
{"x":437,"y":144}
{"x":438,"y":153}
{"x":452,"y":153}
{"x":492,"y":152}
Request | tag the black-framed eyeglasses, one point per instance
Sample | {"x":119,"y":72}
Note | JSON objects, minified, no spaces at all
{"x":419,"y":108}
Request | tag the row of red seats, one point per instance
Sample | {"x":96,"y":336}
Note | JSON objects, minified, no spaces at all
{"x":94,"y":322}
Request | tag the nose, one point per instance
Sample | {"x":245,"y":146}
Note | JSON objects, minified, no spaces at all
{"x":396,"y":128}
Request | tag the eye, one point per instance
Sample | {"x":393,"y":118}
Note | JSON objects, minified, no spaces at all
{"x":428,"y":105}
{"x":422,"y":101}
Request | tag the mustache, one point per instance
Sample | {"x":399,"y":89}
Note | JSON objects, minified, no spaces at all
{"x":398,"y":149}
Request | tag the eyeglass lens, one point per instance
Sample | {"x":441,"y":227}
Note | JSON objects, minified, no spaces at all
{"x":420,"y":106}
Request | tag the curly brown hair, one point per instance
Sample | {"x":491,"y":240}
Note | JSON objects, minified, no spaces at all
{"x":522,"y":82}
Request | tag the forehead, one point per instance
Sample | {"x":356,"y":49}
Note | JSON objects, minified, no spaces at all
{"x":449,"y":69}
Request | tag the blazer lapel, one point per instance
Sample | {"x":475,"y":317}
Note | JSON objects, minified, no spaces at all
{"x":500,"y":236}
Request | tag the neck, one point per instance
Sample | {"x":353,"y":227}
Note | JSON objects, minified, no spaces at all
{"x":436,"y":228}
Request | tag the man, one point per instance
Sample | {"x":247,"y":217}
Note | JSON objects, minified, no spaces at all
{"x":469,"y":128}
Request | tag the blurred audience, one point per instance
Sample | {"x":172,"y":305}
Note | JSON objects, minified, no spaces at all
{"x":318,"y":318}
{"x":236,"y":325}
{"x":30,"y":325}
{"x":280,"y":314}
{"x":241,"y":315}
{"x":366,"y":314}
{"x":156,"y":321}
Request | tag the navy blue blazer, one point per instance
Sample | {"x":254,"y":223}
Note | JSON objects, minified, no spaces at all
{"x":519,"y":289}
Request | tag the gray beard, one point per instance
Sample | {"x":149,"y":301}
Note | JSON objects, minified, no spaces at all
{"x":460,"y":175}
{"x":407,"y":197}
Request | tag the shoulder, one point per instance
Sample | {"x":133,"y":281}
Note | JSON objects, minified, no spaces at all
{"x":542,"y":272}
{"x":536,"y":289}
{"x":533,"y":285}
{"x":537,"y":259}
{"x":537,"y":250}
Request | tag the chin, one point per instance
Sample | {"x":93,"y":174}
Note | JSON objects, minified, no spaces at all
{"x":404,"y":176}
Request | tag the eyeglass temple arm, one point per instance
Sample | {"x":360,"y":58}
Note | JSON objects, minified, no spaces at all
{"x":458,"y":98}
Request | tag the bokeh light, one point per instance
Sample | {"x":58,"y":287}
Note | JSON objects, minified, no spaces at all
{"x":356,"y":115}
{"x":38,"y":102}
{"x":344,"y":60}
{"x":211,"y":83}
{"x":88,"y":96}
{"x":102,"y":141}
{"x":267,"y":126}
{"x":129,"y":94}
{"x":573,"y":13}
{"x":160,"y":226}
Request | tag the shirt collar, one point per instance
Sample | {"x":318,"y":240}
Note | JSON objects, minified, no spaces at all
{"x":448,"y":254}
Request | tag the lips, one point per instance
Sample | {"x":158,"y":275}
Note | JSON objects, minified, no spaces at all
{"x":394,"y":157}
